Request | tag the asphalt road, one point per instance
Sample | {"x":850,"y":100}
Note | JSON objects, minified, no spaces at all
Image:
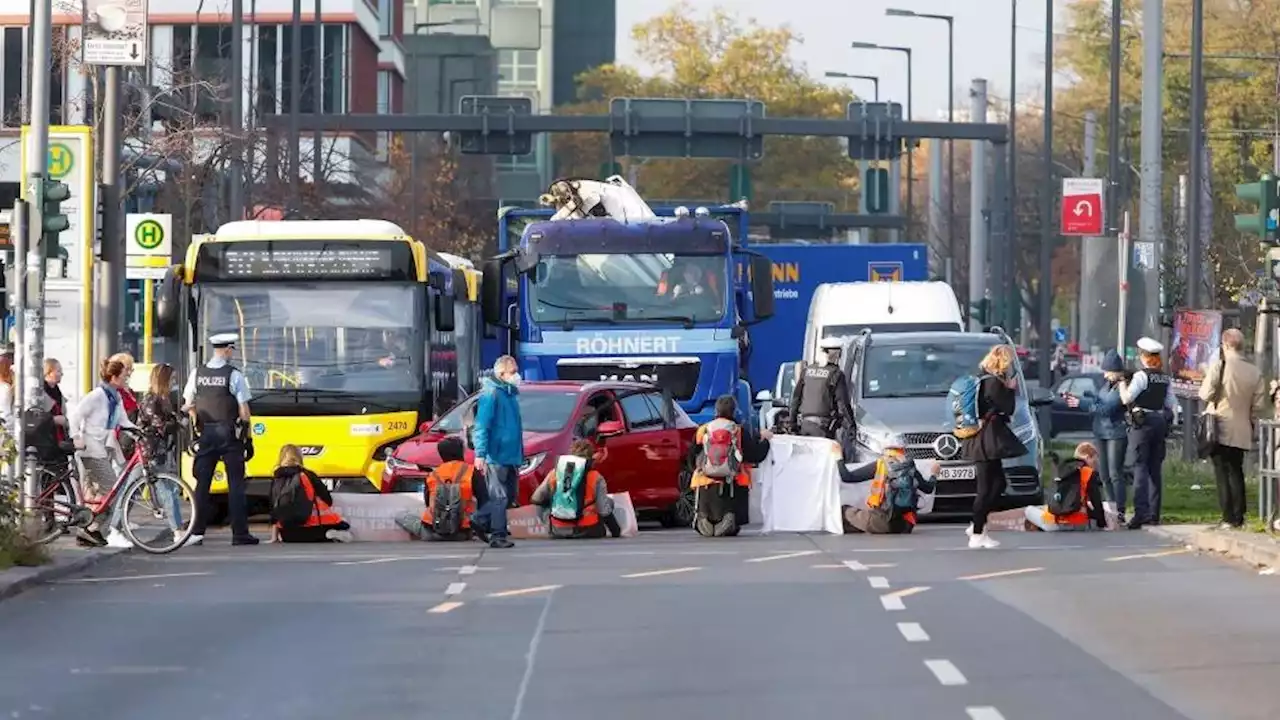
{"x":666,"y":625}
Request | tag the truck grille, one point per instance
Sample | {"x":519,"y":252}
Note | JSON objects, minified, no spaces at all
{"x":679,"y":377}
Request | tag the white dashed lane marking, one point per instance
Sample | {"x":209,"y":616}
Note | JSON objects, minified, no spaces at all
{"x":946,"y":673}
{"x":1001,"y":573}
{"x":455,"y":589}
{"x":913,"y":632}
{"x":892,"y":602}
{"x":984,"y":713}
{"x":655,"y":573}
{"x":879,"y":583}
{"x":854,"y":565}
{"x":1143,"y":556}
{"x":445,"y":607}
{"x":784,"y":556}
{"x":523,"y":591}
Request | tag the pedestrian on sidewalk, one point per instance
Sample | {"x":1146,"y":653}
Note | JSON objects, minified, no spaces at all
{"x":1149,"y":405}
{"x":498,"y":437}
{"x":1235,"y":392}
{"x":1110,"y":433}
{"x":97,"y":419}
{"x":6,"y":387}
{"x":994,"y":441}
{"x":128,"y":400}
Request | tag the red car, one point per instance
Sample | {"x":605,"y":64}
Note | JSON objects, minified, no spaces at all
{"x":647,"y":442}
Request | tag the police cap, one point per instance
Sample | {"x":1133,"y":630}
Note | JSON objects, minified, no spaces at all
{"x":1150,"y":346}
{"x":224,"y":340}
{"x":830,"y":343}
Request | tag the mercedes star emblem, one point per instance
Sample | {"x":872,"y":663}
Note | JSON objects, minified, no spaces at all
{"x":947,"y":446}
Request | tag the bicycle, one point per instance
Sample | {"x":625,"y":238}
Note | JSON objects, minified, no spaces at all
{"x":161,"y":494}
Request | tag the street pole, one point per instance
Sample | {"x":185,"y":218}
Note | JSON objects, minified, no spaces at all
{"x":1113,"y":211}
{"x":951,"y":145}
{"x":1194,"y":207}
{"x":235,"y":183}
{"x":1094,"y":256}
{"x":20,"y":229}
{"x":110,"y":278}
{"x":317,"y":74}
{"x":910,"y":153}
{"x":1151,"y":151}
{"x":937,"y":241}
{"x":977,"y":206}
{"x":1013,"y":297}
{"x":295,"y":108}
{"x":1047,"y":235}
{"x":1125,"y":245}
{"x":41,"y":34}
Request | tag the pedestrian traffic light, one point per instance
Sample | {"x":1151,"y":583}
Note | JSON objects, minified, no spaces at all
{"x":52,"y":218}
{"x":1263,"y":222}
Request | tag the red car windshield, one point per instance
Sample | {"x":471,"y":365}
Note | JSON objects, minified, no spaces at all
{"x":540,"y":411}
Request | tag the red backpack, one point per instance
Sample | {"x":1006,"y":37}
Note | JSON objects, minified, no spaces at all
{"x":721,"y":455}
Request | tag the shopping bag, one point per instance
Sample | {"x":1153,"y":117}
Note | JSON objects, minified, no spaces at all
{"x":625,"y":513}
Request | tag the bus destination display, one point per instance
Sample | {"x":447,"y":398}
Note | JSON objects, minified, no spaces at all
{"x":327,"y":262}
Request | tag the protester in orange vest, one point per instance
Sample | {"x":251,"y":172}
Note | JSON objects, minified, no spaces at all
{"x":895,"y":492}
{"x":301,"y":506}
{"x":451,"y":494}
{"x":1075,"y":498}
{"x":723,"y":476}
{"x":576,"y":497}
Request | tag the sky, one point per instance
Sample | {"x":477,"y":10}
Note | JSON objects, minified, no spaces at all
{"x":829,"y":26}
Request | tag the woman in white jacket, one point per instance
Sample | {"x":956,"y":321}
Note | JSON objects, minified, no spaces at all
{"x":97,"y":417}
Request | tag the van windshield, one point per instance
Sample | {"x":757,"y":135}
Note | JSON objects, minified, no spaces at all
{"x":845,"y":332}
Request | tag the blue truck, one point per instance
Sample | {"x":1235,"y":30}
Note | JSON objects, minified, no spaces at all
{"x":798,"y":269}
{"x":667,"y":300}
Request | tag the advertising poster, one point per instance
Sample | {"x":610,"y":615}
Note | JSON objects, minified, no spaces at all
{"x":1196,"y":337}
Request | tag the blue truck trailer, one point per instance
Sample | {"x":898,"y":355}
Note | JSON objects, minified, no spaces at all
{"x":798,"y":270}
{"x":594,"y":298}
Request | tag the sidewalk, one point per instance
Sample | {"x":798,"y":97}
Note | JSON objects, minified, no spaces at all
{"x":66,"y":559}
{"x":1257,"y":549}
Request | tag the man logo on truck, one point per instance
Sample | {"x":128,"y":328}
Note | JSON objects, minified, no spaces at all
{"x":641,"y":377}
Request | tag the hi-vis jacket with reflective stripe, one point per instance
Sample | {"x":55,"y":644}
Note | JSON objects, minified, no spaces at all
{"x":744,"y":472}
{"x":454,"y":471}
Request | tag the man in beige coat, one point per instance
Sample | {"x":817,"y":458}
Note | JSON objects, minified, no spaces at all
{"x":1234,"y":391}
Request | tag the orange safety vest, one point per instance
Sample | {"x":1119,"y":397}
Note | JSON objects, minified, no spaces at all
{"x":744,"y":472}
{"x":324,"y":513}
{"x":455,"y":471}
{"x":590,"y":515}
{"x":1080,"y":517}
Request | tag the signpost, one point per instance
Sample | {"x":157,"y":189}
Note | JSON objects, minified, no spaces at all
{"x":1082,"y":211}
{"x":148,"y":247}
{"x":115,"y":32}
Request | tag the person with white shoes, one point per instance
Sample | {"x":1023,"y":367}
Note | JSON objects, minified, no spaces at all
{"x":994,"y":440}
{"x":97,"y":417}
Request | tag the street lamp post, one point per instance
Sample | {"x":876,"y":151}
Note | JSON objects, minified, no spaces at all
{"x":874,"y":80}
{"x":910,"y":149}
{"x":951,"y":111}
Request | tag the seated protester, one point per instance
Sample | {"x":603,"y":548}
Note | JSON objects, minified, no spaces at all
{"x":722,"y":473}
{"x":577,"y":496}
{"x":1075,"y":498}
{"x":301,"y":506}
{"x":895,"y":493}
{"x":451,"y":493}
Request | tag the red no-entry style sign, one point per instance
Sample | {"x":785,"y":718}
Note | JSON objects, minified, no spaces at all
{"x":1082,"y":207}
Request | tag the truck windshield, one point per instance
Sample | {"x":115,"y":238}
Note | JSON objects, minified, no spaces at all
{"x":308,"y":342}
{"x":618,"y":288}
{"x":924,"y":370}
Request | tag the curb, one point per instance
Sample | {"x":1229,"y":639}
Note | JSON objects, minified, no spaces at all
{"x":29,"y":577}
{"x":1260,"y":551}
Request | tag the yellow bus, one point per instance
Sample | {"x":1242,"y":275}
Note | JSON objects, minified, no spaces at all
{"x":348,"y":338}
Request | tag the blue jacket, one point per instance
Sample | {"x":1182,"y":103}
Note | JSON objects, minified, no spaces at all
{"x":1108,"y":415}
{"x":498,"y":436}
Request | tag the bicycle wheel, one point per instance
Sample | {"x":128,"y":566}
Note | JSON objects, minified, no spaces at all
{"x":54,"y":508}
{"x":157,"y":513}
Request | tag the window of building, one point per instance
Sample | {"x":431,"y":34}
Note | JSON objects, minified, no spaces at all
{"x":306,"y":58}
{"x":451,"y":2}
{"x":12,"y":56}
{"x":58,"y":78}
{"x":386,"y":18}
{"x":333,"y":86}
{"x":182,"y":44}
{"x":518,"y":67}
{"x":384,"y":92}
{"x":267,"y":58}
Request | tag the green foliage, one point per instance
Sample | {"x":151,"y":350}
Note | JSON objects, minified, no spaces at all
{"x":15,"y":547}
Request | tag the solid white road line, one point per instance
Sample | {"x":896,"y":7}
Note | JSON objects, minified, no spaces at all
{"x":946,"y":673}
{"x":1144,"y":556}
{"x":879,"y":583}
{"x":913,"y":632}
{"x":892,"y":602}
{"x":445,"y":607}
{"x":784,"y":556}
{"x":530,"y":658}
{"x":1002,"y":573}
{"x":984,"y":713}
{"x":455,"y":589}
{"x":130,"y":577}
{"x":854,"y":565}
{"x":655,"y":573}
{"x":523,"y":591}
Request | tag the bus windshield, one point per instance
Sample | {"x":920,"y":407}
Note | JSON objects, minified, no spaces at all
{"x":618,"y":288}
{"x":324,"y":339}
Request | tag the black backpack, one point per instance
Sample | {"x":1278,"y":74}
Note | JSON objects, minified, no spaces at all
{"x":1067,"y":492}
{"x":290,"y":505}
{"x":446,"y":518}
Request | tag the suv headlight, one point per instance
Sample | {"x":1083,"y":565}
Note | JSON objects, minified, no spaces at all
{"x":873,"y":439}
{"x":394,"y":463}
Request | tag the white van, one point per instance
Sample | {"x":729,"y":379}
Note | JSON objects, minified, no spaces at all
{"x":846,"y":309}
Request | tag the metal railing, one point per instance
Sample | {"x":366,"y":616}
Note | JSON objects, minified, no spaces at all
{"x":1269,"y":474}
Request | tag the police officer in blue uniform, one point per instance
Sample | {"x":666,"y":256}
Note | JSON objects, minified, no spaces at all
{"x":1149,"y":405}
{"x":217,"y":397}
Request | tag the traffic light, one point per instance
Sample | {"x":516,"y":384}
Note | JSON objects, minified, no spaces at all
{"x":877,"y":181}
{"x":52,"y":218}
{"x":1263,"y":222}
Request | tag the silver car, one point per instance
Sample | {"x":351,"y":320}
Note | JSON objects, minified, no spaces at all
{"x":900,"y":382}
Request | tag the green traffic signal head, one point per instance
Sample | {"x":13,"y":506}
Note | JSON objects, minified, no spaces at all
{"x":56,"y":192}
{"x":1263,"y":194}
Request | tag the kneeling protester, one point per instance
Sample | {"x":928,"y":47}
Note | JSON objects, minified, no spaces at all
{"x":894,"y":497}
{"x":1075,"y":498}
{"x":577,"y":497}
{"x":301,"y":505}
{"x":721,"y":474}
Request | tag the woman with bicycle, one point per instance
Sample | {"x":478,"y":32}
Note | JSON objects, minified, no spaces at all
{"x":158,"y":417}
{"x":98,"y":418}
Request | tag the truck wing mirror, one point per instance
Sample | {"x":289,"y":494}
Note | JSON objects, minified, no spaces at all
{"x":761,"y":287}
{"x":492,"y":293}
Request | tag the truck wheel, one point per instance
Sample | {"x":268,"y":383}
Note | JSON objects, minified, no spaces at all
{"x":681,"y":514}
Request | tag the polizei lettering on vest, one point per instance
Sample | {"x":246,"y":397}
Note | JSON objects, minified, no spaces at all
{"x":211,"y":381}
{"x":629,"y":345}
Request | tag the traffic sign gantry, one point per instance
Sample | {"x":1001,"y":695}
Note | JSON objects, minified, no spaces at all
{"x":1082,"y":212}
